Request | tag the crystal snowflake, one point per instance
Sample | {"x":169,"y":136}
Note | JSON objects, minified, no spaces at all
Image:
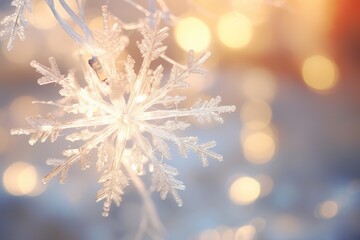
{"x":128,"y":117}
{"x":13,"y":25}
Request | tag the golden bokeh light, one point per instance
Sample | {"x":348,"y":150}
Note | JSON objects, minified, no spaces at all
{"x":20,"y":179}
{"x":234,"y":30}
{"x":258,"y":83}
{"x":327,"y":209}
{"x":246,"y":232}
{"x":320,"y":73}
{"x":259,"y":147}
{"x":192,"y":33}
{"x":244,"y":190}
{"x":255,"y":114}
{"x":246,"y":132}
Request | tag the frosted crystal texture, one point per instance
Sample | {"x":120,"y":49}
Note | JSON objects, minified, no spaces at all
{"x":13,"y":25}
{"x":129,"y":119}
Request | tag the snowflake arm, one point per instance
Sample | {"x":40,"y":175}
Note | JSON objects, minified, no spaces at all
{"x":50,"y":75}
{"x":184,"y":144}
{"x":110,"y":41}
{"x":80,"y":154}
{"x":114,"y":184}
{"x":177,"y":80}
{"x":41,"y":128}
{"x":163,"y":175}
{"x":151,"y":48}
{"x":203,"y":111}
{"x":164,"y":182}
{"x":13,"y":25}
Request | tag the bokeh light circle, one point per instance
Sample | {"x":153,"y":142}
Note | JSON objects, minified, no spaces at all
{"x":20,"y":178}
{"x":320,"y":73}
{"x":244,"y":190}
{"x":192,"y":33}
{"x":234,"y":30}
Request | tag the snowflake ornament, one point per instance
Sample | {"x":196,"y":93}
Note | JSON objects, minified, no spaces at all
{"x":127,"y":117}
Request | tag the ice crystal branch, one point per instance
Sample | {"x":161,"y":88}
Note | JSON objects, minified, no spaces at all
{"x":13,"y":25}
{"x":130,"y":119}
{"x":163,"y":181}
{"x":50,"y":75}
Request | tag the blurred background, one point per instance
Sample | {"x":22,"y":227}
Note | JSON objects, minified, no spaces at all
{"x":291,"y":166}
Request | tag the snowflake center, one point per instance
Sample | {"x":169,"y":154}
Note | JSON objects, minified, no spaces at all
{"x":126,"y":118}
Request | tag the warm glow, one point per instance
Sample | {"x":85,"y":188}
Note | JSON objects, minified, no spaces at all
{"x":20,"y":179}
{"x":259,"y":147}
{"x":21,"y":53}
{"x":258,"y":83}
{"x":54,"y":41}
{"x":227,"y":234}
{"x":192,"y":33}
{"x":234,"y":30}
{"x":22,"y":107}
{"x":246,"y":132}
{"x":96,"y":23}
{"x":198,"y":83}
{"x":206,"y":6}
{"x":41,"y":16}
{"x":256,"y":10}
{"x":244,"y":190}
{"x":246,"y":232}
{"x":328,"y":209}
{"x":255,"y":114}
{"x":141,"y":98}
{"x":320,"y":73}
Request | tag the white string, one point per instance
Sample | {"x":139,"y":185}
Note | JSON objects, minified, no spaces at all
{"x":86,"y":40}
